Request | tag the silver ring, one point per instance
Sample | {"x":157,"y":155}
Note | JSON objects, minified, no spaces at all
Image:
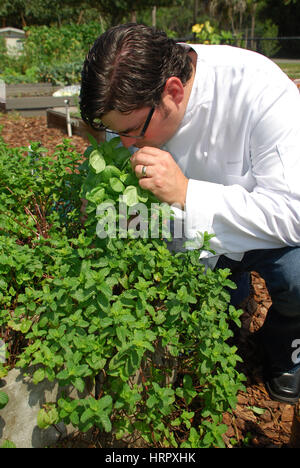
{"x":144,"y":170}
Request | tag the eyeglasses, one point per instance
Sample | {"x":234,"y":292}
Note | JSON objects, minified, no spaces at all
{"x":141,"y":135}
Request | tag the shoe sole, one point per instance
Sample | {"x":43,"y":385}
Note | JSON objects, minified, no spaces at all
{"x":280,"y":398}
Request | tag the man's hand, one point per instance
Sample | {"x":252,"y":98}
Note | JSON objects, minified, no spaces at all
{"x":163,"y":176}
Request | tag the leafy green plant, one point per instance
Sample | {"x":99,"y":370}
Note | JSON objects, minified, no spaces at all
{"x":66,"y":73}
{"x":205,"y":33}
{"x":38,"y":200}
{"x":147,"y":327}
{"x":8,"y":444}
{"x":3,"y":399}
{"x":52,"y":54}
{"x":268,"y":30}
{"x":3,"y":402}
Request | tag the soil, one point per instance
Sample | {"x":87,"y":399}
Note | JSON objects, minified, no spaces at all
{"x":20,"y":131}
{"x":257,"y":421}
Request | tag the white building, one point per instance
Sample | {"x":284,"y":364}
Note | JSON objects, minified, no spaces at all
{"x":14,"y":39}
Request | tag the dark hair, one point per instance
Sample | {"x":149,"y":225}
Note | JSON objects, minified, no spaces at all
{"x":127,"y":68}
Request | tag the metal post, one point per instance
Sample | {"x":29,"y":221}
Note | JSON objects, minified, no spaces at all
{"x":69,"y":127}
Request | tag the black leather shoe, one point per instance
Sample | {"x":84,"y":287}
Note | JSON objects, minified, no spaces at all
{"x":285,"y":387}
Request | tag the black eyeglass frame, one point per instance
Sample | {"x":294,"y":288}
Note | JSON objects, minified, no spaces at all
{"x":144,"y":129}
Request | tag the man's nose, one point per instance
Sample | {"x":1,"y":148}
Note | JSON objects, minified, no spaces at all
{"x":128,"y":141}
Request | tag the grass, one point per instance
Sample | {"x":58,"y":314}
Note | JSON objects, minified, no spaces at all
{"x":292,"y":69}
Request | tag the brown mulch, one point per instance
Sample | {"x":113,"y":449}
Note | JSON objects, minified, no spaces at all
{"x":257,"y":421}
{"x":20,"y":131}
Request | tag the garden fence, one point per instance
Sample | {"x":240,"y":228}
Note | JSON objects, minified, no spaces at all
{"x":287,"y":47}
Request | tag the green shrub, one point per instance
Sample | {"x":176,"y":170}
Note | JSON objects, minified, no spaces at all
{"x":54,"y":54}
{"x":269,"y":30}
{"x":61,"y":74}
{"x":205,"y":33}
{"x":148,"y":327}
{"x":51,"y":44}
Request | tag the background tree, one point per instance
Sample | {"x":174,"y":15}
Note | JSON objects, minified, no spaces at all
{"x":20,"y":13}
{"x":119,"y":11}
{"x":176,"y":17}
{"x":286,"y":15}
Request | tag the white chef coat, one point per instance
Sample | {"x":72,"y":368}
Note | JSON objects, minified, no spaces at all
{"x":239,"y":145}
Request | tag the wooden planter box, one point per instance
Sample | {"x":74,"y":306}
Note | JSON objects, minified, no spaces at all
{"x":56,"y":118}
{"x":31,"y":99}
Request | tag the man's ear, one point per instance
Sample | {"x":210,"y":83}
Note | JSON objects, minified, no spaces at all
{"x":174,"y":90}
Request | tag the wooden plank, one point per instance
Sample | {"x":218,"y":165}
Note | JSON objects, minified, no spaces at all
{"x":31,"y":112}
{"x":37,"y":102}
{"x":30,"y":88}
{"x":28,"y":92}
{"x":56,"y":119}
{"x":29,"y":85}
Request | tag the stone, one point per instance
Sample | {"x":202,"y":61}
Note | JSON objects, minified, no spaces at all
{"x":18,"y":419}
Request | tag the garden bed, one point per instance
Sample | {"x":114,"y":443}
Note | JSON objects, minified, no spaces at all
{"x":56,"y":118}
{"x":31,"y":99}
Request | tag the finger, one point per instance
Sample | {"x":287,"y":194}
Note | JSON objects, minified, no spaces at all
{"x":147,"y":155}
{"x":143,"y":171}
{"x":146,"y":184}
{"x":151,"y":150}
{"x":143,"y":160}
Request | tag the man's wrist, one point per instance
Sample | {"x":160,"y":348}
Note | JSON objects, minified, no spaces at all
{"x":182,"y":199}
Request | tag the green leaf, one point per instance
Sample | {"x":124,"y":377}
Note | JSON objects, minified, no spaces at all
{"x":63,"y":375}
{"x":47,"y":416}
{"x":256,"y":409}
{"x":105,"y":422}
{"x":74,"y":418}
{"x":93,"y":141}
{"x":116,"y":184}
{"x":125,"y":362}
{"x":8,"y":444}
{"x":143,"y":195}
{"x":105,"y":402}
{"x":79,"y":384}
{"x":86,"y":415}
{"x":130,"y":195}
{"x":122,"y":156}
{"x":97,"y":161}
{"x":122,"y":334}
{"x":96,"y":195}
{"x":3,"y":399}
{"x":38,"y":376}
{"x":152,"y":401}
{"x":110,"y":172}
